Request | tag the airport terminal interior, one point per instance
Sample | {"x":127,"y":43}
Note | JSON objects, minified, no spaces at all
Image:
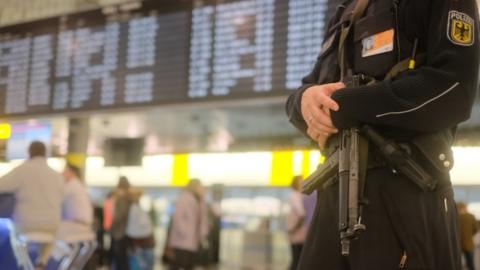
{"x":152,"y":94}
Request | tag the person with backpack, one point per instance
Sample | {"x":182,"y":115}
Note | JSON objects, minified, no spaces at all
{"x":140,"y":232}
{"x":118,"y":228}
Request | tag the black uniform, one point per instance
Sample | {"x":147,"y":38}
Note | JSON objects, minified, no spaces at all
{"x":406,"y":227}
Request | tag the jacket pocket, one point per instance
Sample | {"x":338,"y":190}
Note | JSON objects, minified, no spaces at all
{"x":374,"y":44}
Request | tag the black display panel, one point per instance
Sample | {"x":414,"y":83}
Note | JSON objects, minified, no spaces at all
{"x":166,"y":52}
{"x":119,"y":152}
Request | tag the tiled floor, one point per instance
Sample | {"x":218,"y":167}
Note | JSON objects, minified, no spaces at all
{"x":242,"y":250}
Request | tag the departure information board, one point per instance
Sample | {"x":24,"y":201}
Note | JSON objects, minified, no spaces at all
{"x":166,"y":52}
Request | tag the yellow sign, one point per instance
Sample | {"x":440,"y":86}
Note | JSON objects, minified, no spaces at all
{"x":282,"y":168}
{"x":461,"y":28}
{"x":77,"y":159}
{"x":180,"y":170}
{"x":5,"y":131}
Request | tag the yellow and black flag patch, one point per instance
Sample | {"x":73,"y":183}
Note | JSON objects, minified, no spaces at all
{"x":460,"y":29}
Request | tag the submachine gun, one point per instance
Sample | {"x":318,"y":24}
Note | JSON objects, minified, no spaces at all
{"x":344,"y":163}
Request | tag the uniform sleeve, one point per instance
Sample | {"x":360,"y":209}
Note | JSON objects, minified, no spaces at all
{"x":437,"y":95}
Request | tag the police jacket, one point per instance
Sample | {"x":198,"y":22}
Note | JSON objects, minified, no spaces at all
{"x":436,"y":95}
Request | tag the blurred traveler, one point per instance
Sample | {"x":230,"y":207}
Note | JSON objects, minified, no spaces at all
{"x":108,"y":206}
{"x":476,"y":249}
{"x":38,"y":192}
{"x":468,"y":228}
{"x":296,"y":225}
{"x":189,"y":226}
{"x":140,"y":232}
{"x":77,"y":209}
{"x":99,"y":257}
{"x":214,"y":224}
{"x":76,"y":228}
{"x":107,"y":220}
{"x":119,"y":224}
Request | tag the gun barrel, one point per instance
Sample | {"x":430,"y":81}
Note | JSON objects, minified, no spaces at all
{"x":353,"y":178}
{"x":343,"y":181}
{"x":345,"y":242}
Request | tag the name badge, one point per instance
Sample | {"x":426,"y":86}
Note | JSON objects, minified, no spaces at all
{"x":378,"y":43}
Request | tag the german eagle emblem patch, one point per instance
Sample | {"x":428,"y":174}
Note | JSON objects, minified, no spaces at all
{"x":460,"y":29}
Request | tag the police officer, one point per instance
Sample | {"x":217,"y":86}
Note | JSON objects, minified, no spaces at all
{"x":423,"y":59}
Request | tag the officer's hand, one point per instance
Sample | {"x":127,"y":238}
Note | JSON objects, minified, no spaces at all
{"x":320,"y":137}
{"x":316,"y":105}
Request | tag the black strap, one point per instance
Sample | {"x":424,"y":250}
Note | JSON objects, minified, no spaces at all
{"x":404,"y":65}
{"x":357,"y":12}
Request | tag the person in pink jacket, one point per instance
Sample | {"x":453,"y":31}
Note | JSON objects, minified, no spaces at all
{"x":296,"y":221}
{"x":189,"y":226}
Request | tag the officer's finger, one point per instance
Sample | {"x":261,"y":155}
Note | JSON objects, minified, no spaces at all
{"x":322,"y":141}
{"x":315,"y":96}
{"x":319,"y":127}
{"x":320,"y":137}
{"x":320,"y":117}
{"x":312,"y":133}
{"x":309,"y":109}
{"x":326,"y":110}
{"x":323,"y":100}
{"x":307,"y":113}
{"x":306,"y":105}
{"x":330,"y":88}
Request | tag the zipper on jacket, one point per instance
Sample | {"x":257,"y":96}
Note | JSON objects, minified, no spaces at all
{"x":403,"y":260}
